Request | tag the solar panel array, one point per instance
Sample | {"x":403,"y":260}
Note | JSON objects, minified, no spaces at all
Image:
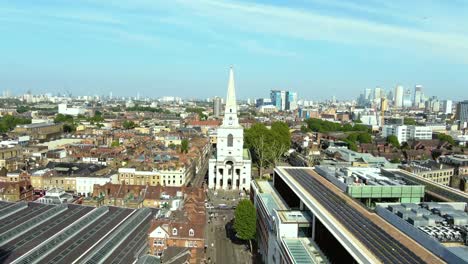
{"x":56,"y":241}
{"x":100,"y":253}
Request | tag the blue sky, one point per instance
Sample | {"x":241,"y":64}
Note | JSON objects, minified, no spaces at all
{"x":318,"y":48}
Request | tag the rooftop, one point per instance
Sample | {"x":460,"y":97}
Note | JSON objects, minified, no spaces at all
{"x":25,"y":225}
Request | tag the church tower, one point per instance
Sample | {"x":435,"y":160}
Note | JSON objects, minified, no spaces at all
{"x":231,"y":167}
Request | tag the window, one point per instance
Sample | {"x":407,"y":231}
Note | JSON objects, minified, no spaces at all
{"x":191,"y":232}
{"x":230,"y":140}
{"x":174,"y":231}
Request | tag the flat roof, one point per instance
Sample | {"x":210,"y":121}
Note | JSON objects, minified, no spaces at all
{"x":382,"y":245}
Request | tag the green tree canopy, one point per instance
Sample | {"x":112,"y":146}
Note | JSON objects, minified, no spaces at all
{"x":323,"y":126}
{"x":184,"y":146}
{"x":9,"y":122}
{"x":267,"y":145}
{"x":61,"y":118}
{"x":245,"y":221}
{"x":128,"y":124}
{"x":409,"y":121}
{"x":446,"y":138}
{"x":364,"y":138}
{"x":392,"y":139}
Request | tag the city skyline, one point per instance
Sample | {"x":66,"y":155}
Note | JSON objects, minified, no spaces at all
{"x":90,"y":47}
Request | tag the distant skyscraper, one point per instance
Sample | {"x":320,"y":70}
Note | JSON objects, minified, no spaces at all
{"x":278,"y":99}
{"x":407,"y":101}
{"x":399,"y":96}
{"x":291,"y":101}
{"x":217,"y":107}
{"x":377,"y":93}
{"x":462,"y":113}
{"x":418,"y":94}
{"x":368,"y":94}
{"x":446,"y":106}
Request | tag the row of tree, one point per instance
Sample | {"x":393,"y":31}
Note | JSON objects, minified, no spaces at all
{"x":323,"y":126}
{"x":267,"y":146}
{"x":9,"y":122}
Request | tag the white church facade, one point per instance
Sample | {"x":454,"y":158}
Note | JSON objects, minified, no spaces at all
{"x":230,"y":169}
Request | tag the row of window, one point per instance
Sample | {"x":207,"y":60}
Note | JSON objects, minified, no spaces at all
{"x":191,"y":232}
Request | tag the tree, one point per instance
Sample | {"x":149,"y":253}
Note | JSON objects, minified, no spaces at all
{"x":267,"y":145}
{"x":395,"y":160}
{"x":61,"y":118}
{"x":393,"y":140}
{"x":409,"y":121}
{"x":68,"y":128}
{"x":255,"y":138}
{"x":128,"y":124}
{"x":364,"y":138}
{"x":184,"y":146}
{"x":245,"y":221}
{"x":9,"y":122}
{"x":446,"y":138}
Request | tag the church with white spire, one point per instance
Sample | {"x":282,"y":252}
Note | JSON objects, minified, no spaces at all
{"x":230,"y":169}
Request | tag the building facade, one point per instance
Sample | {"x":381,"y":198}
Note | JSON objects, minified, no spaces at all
{"x":405,"y":133}
{"x":231,"y":166}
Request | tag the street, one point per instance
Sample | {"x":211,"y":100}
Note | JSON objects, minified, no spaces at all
{"x":223,"y":246}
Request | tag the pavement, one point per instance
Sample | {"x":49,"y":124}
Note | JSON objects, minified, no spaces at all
{"x":223,"y":246}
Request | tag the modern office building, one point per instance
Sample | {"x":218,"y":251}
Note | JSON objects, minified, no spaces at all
{"x":291,"y":101}
{"x":399,"y":94}
{"x":230,"y":168}
{"x":405,"y":133}
{"x":303,"y":215}
{"x":278,"y":99}
{"x":284,"y":100}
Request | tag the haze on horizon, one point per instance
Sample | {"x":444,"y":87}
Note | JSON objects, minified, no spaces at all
{"x":319,"y":48}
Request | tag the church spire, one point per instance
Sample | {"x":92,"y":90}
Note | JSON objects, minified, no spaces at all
{"x":230,"y":112}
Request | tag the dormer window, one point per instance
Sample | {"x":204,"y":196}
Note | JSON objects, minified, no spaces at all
{"x":191,"y":232}
{"x":174,"y":231}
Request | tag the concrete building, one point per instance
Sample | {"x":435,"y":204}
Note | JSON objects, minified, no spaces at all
{"x":405,"y":133}
{"x":230,"y":168}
